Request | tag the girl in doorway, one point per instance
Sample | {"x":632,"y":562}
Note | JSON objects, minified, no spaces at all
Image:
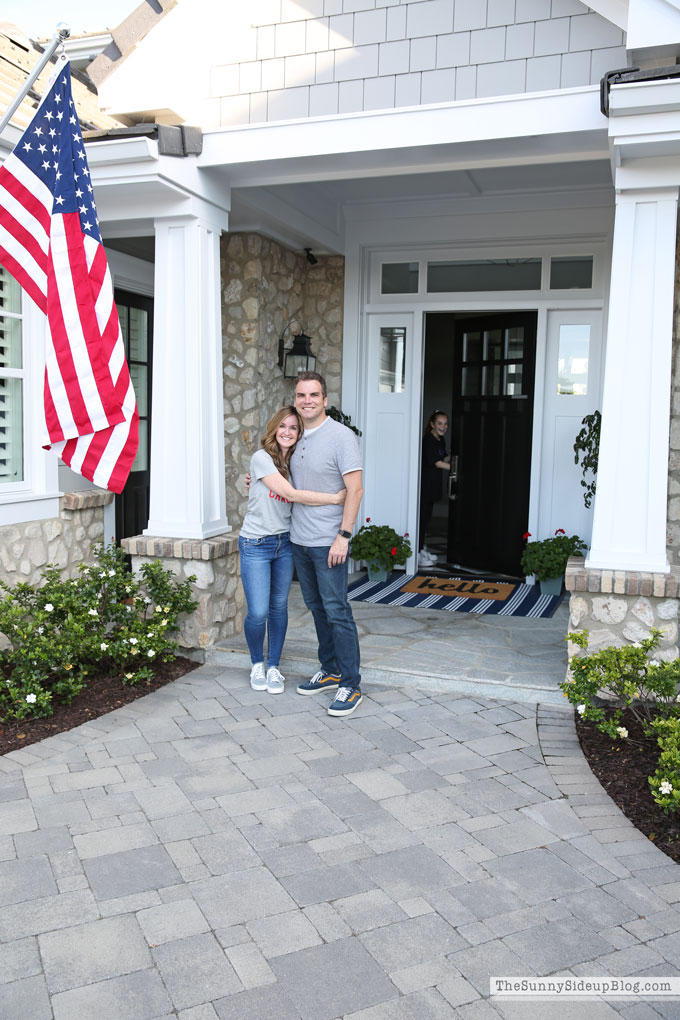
{"x":434,"y":460}
{"x":264,"y":546}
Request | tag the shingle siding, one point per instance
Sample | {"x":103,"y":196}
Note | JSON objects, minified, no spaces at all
{"x":340,"y":56}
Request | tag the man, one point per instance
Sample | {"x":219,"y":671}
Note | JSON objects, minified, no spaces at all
{"x":326,"y":458}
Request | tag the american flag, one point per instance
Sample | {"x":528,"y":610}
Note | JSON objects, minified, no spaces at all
{"x":51,"y":243}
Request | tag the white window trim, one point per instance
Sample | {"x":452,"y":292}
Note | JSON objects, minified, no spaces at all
{"x":36,"y":497}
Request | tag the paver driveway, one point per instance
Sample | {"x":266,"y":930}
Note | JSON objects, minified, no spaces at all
{"x":211,"y":852}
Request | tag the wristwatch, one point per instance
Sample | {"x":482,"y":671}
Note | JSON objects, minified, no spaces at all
{"x":344,"y":534}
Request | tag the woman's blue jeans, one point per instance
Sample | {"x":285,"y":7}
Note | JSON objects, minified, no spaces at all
{"x":266,"y":573}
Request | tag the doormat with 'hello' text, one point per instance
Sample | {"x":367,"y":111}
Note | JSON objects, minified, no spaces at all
{"x":455,"y":594}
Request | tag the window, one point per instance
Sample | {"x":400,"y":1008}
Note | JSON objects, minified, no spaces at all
{"x":399,"y":278}
{"x":571,"y":272}
{"x":11,"y":381}
{"x":572,"y":360}
{"x":392,"y":360}
{"x":484,"y":274}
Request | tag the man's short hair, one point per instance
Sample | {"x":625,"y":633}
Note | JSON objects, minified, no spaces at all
{"x":306,"y":375}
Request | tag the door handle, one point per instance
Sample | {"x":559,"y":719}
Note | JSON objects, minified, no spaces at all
{"x":452,"y":481}
{"x":453,"y":472}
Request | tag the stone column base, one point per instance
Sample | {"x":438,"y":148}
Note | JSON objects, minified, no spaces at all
{"x":617,"y":607}
{"x":217,"y":588}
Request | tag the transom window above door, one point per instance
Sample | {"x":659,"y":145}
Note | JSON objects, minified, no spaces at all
{"x":472,"y":276}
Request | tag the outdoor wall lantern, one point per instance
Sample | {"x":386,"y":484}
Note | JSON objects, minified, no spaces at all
{"x":299,"y":357}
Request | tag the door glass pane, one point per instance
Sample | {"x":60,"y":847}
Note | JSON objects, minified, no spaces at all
{"x":514,"y":342}
{"x":493,"y":344}
{"x":141,"y":462}
{"x":139,"y":375}
{"x":571,"y":272}
{"x":484,"y":274}
{"x":512,"y":385}
{"x":492,"y":380}
{"x":138,"y":330}
{"x":472,"y":347}
{"x":572,"y":364}
{"x":392,"y":360}
{"x":10,"y":342}
{"x":11,"y":431}
{"x":471,"y":381}
{"x":399,"y":278}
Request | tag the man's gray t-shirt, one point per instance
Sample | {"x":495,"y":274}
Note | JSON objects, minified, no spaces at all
{"x":319,"y":461}
{"x":267,"y":514}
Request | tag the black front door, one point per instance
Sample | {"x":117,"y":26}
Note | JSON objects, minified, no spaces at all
{"x":136,"y":323}
{"x":493,"y":396}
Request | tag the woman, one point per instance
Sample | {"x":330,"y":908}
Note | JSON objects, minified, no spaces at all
{"x":264,"y":546}
{"x":434,"y":460}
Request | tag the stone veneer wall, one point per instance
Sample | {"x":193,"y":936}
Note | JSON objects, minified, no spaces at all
{"x":66,"y":541}
{"x":264,"y":286}
{"x":620,"y":606}
{"x":217,"y":586}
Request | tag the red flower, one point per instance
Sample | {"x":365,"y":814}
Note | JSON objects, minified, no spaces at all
{"x":368,"y":520}
{"x":527,"y":534}
{"x":560,"y":531}
{"x":393,"y":551}
{"x":406,"y":534}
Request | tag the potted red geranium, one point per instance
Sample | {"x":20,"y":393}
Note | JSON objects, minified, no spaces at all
{"x":547,"y":559}
{"x":381,"y":547}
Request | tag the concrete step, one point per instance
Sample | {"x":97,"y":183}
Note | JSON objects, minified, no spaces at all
{"x":230,"y":654}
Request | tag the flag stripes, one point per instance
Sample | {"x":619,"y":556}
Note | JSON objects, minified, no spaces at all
{"x":50,"y":243}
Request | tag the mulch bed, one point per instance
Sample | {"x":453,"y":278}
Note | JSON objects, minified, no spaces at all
{"x":623,"y":768}
{"x":101,"y":695}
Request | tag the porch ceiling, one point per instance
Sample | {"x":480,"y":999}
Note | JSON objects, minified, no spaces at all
{"x":312,"y":214}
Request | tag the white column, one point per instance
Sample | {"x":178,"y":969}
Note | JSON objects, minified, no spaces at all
{"x":629,"y":525}
{"x":187,"y":421}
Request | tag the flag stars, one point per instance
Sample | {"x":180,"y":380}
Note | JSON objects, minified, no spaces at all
{"x":59,"y":200}
{"x":42,"y":148}
{"x":49,"y":115}
{"x":46,"y":165}
{"x":38,"y":131}
{"x":83,"y":209}
{"x":27,"y":146}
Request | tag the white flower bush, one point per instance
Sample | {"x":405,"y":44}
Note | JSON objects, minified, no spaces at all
{"x":63,"y":631}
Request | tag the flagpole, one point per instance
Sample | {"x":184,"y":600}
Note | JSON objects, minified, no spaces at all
{"x":62,"y":33}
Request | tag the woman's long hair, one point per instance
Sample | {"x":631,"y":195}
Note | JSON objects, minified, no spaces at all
{"x":269,"y":443}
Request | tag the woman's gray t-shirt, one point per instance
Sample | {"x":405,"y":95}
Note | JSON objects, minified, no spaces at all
{"x":267,"y":514}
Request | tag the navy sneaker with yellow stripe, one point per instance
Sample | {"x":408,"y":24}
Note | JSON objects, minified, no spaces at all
{"x":346,"y":700}
{"x":320,"y":682}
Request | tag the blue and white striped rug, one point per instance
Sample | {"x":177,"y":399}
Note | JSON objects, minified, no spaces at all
{"x":455,"y":595}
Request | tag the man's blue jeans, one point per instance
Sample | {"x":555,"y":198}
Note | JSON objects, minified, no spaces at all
{"x":324,"y":590}
{"x":266,"y":573}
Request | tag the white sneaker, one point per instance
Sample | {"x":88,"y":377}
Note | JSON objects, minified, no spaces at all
{"x":274,"y":681}
{"x":258,"y":680}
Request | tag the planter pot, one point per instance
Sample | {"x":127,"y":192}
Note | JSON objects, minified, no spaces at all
{"x":552,"y":585}
{"x":376,"y":573}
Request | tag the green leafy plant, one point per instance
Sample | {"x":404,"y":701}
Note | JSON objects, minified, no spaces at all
{"x":587,"y":449}
{"x":380,"y":545}
{"x":600,"y":684}
{"x":344,"y":419}
{"x":548,"y":557}
{"x":63,"y":631}
{"x":665,"y":783}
